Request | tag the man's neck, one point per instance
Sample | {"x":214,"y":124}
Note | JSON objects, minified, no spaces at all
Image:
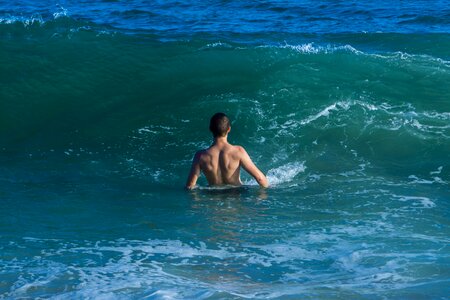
{"x":221,"y":140}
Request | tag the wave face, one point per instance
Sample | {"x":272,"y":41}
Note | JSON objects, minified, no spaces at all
{"x":101,"y":111}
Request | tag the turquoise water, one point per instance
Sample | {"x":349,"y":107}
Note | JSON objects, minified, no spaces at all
{"x":103,"y":105}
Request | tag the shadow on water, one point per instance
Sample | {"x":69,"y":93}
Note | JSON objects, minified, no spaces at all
{"x":228,"y":193}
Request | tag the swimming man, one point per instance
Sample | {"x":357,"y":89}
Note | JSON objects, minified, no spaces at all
{"x":221,"y":162}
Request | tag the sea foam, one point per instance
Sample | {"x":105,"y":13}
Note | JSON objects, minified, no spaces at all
{"x":285,"y":173}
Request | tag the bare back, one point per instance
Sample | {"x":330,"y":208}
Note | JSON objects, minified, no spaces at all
{"x":221,"y":165}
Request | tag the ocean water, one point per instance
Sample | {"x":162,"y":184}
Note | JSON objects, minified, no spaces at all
{"x":345,"y":105}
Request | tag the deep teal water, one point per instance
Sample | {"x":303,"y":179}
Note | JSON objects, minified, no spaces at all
{"x":345,"y":106}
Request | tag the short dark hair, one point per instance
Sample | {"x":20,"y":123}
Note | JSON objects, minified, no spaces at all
{"x":219,"y":124}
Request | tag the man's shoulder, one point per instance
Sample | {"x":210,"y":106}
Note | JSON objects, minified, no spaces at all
{"x":238,"y":149}
{"x":199,"y":154}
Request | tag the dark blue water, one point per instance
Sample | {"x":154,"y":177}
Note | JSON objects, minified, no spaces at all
{"x":185,"y":18}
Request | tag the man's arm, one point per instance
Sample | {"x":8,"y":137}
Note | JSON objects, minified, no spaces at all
{"x":194,"y":173}
{"x":250,"y":167}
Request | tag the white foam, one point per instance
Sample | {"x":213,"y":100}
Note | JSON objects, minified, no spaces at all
{"x":423,"y":201}
{"x":156,"y":129}
{"x":439,"y":170}
{"x":422,"y":124}
{"x":323,"y":113}
{"x":281,"y":253}
{"x":314,"y":177}
{"x":61,"y":13}
{"x":165,"y":295}
{"x":340,"y":105}
{"x":311,"y":48}
{"x":433,"y":180}
{"x":285,"y":173}
{"x":35,"y":19}
{"x":172,"y":269}
{"x":439,"y":180}
{"x":216,"y":45}
{"x":303,"y":48}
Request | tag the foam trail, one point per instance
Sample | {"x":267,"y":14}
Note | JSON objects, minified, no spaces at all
{"x":324,"y":113}
{"x":424,"y":201}
{"x":310,"y":48}
{"x":285,"y":173}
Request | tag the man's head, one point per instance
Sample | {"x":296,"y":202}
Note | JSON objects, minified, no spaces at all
{"x":219,"y":125}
